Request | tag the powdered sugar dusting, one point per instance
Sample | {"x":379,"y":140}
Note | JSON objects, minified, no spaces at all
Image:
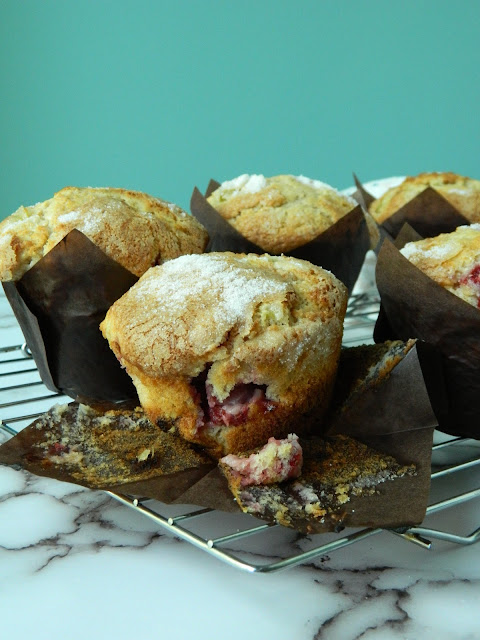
{"x":175,"y":209}
{"x":243,"y":184}
{"x":439,"y":253}
{"x":89,"y":221}
{"x":233,"y":286}
{"x":461,"y":192}
{"x":451,"y":245}
{"x":316,"y":184}
{"x":71,"y":217}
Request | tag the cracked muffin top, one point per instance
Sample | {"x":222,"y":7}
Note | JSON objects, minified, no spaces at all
{"x":262,"y":319}
{"x":133,"y":228}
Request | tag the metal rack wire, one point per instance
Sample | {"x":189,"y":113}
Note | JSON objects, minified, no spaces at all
{"x":235,"y":538}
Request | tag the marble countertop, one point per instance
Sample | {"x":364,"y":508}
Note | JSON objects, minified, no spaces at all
{"x":76,"y":563}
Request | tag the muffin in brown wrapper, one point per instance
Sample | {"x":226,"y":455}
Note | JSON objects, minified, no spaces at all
{"x":133,"y":228}
{"x":429,"y":213}
{"x":64,"y":261}
{"x":340,"y":475}
{"x":414,"y":305}
{"x":340,"y":249}
{"x":246,"y":344}
{"x":59,"y":304}
{"x":389,"y":374}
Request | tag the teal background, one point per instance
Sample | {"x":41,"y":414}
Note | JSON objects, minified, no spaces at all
{"x":161,"y":96}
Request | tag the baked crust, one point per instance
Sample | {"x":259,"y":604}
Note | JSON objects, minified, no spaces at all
{"x":279,"y":213}
{"x":452,"y":260}
{"x":463,"y":193}
{"x":133,"y":228}
{"x":271,"y":322}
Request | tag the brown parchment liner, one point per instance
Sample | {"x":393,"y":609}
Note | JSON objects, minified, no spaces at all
{"x":27,"y":450}
{"x":390,"y":418}
{"x":429,"y":213}
{"x":415,"y":306}
{"x":59,"y":304}
{"x":340,"y":249}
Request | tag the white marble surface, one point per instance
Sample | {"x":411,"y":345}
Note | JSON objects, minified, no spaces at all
{"x":77,"y":564}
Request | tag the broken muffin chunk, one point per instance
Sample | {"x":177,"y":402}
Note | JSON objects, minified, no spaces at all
{"x":277,"y":461}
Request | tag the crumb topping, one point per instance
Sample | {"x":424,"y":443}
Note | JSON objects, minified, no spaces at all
{"x":110,"y":448}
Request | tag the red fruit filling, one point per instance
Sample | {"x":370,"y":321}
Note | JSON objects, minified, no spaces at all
{"x":57,"y":449}
{"x":474,"y":275}
{"x":473,"y":278}
{"x":277,"y":461}
{"x":235,"y":409}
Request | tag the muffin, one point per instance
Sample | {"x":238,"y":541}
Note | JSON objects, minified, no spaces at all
{"x":134,"y":229}
{"x":65,"y":261}
{"x":461,"y":192}
{"x":231,"y":349}
{"x":279,"y":213}
{"x":429,"y":290}
{"x":452,"y":260}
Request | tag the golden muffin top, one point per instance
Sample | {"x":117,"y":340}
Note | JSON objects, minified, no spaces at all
{"x":248,"y":316}
{"x":279,"y":213}
{"x":133,"y":228}
{"x":452,"y":260}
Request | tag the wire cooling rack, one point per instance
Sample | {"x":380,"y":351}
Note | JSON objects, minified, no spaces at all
{"x":240,"y":540}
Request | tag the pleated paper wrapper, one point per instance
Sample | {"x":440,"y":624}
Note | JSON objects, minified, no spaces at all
{"x":59,"y":304}
{"x":415,"y":306}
